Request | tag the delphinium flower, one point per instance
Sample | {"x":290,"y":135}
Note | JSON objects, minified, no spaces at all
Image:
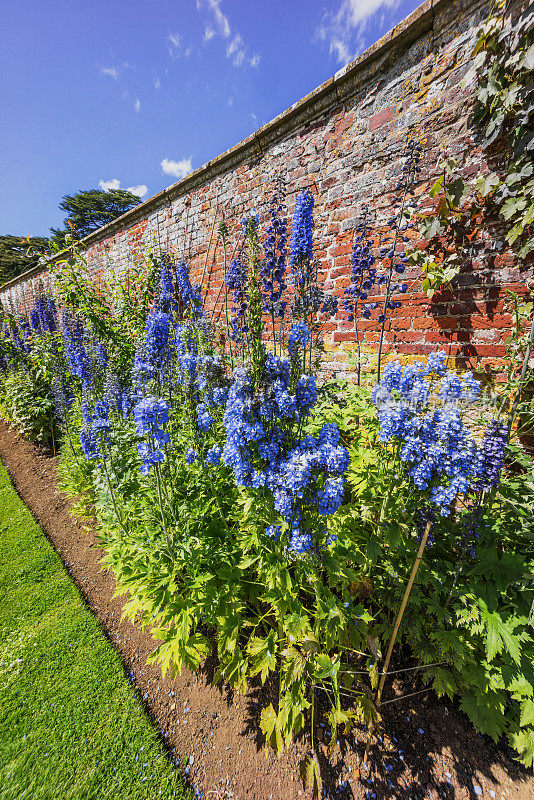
{"x":102,"y":354}
{"x":204,"y":418}
{"x":416,"y":409}
{"x":331,"y":496}
{"x":265,"y":456}
{"x":397,"y":225}
{"x":60,"y":386}
{"x":35,"y":321}
{"x":45,"y":306}
{"x":298,"y":339}
{"x":157,"y":333}
{"x":470,"y":533}
{"x":273,"y":265}
{"x":150,"y":415}
{"x":166,"y":299}
{"x":14,"y":335}
{"x":25,"y":334}
{"x":191,"y":456}
{"x":74,"y":337}
{"x":213,"y":456}
{"x":236,"y":282}
{"x":126,"y":403}
{"x":363,"y":279}
{"x":101,"y":421}
{"x":491,"y":455}
{"x":302,"y":235}
{"x":96,"y":424}
{"x":112,"y":390}
{"x":200,"y":379}
{"x":189,"y":293}
{"x":274,"y":531}
{"x":186,"y":344}
{"x":89,"y":443}
{"x":309,"y":298}
{"x":143,"y":370}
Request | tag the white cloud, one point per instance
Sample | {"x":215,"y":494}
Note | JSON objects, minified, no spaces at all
{"x":137,"y":105}
{"x":220,"y":22}
{"x":178,"y":169}
{"x":174,"y":45}
{"x":230,"y":102}
{"x":219,"y":25}
{"x":140,"y":190}
{"x":114,"y":183}
{"x":236,"y":50}
{"x":112,"y":72}
{"x":157,"y":83}
{"x":343,"y":29}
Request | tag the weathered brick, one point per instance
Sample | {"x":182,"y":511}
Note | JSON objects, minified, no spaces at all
{"x":345,"y":145}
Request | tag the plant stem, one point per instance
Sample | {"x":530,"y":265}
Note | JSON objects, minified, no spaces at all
{"x":226,"y":306}
{"x":312,"y":716}
{"x":119,"y":520}
{"x":396,"y":630}
{"x":158,"y":484}
{"x":522,"y":381}
{"x":390,"y":275}
{"x":358,"y":348}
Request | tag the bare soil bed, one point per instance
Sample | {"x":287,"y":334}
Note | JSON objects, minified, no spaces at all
{"x":428,"y":749}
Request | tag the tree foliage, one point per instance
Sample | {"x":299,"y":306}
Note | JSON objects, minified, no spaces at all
{"x":90,"y":209}
{"x":18,"y":254}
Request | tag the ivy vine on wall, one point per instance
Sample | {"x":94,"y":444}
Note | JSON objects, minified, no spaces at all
{"x":503,"y":66}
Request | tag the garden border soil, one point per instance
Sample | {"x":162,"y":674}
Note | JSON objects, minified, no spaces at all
{"x":428,"y":749}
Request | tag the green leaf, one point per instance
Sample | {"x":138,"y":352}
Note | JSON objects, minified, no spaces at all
{"x":485,"y":712}
{"x":523,"y":743}
{"x":309,"y":771}
{"x":268,"y":721}
{"x":499,"y":634}
{"x":527,"y":713}
{"x":323,"y":667}
{"x":436,"y":188}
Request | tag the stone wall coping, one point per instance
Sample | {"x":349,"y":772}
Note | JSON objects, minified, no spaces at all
{"x":408,"y":30}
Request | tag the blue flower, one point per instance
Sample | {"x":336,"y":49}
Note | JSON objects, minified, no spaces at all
{"x":298,"y":338}
{"x":300,"y":542}
{"x":435,"y":444}
{"x":150,"y":415}
{"x":490,"y":457}
{"x":204,"y":418}
{"x":89,"y":443}
{"x":273,"y":266}
{"x":302,"y":230}
{"x":191,"y":456}
{"x":306,"y":394}
{"x":213,"y":456}
{"x":274,"y":531}
{"x":236,"y":281}
{"x":157,"y":337}
{"x":189,"y":294}
{"x":331,"y":497}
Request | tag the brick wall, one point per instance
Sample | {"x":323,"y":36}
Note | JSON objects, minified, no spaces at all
{"x":344,"y":140}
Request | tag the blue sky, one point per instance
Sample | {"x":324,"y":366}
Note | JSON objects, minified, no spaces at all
{"x":138,"y":93}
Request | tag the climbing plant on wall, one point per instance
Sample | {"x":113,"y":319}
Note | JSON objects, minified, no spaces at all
{"x":502,"y":67}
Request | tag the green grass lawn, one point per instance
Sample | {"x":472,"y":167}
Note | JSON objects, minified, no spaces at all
{"x":71,"y":725}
